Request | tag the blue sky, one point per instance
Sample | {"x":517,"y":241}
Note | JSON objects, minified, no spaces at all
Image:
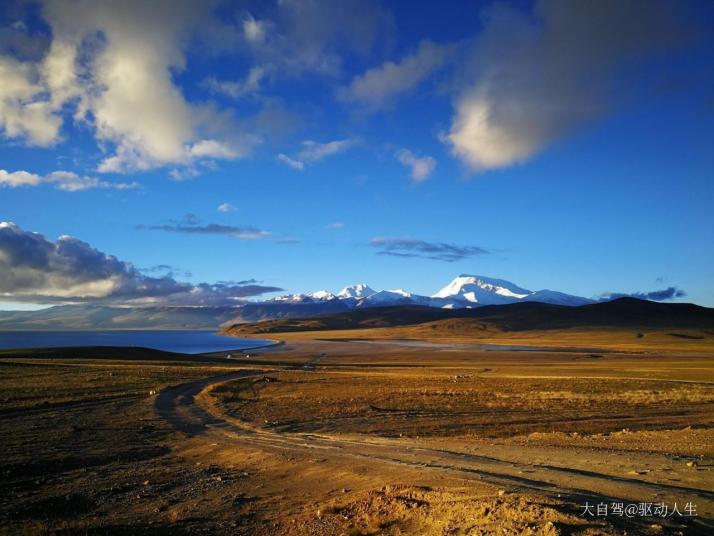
{"x":556,"y":146}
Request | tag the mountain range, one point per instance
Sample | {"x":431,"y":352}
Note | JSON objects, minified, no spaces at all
{"x":517,"y":316}
{"x":464,"y":292}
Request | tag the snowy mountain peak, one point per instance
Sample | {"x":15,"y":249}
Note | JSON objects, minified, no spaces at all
{"x":464,"y":291}
{"x":391,"y":297}
{"x":310,"y":297}
{"x":360,"y":290}
{"x":482,"y":290}
{"x":290,"y":298}
{"x":321,"y":295}
{"x":400,"y":292}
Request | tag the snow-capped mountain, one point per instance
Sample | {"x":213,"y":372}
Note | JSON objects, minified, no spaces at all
{"x":321,"y":295}
{"x":310,"y":297}
{"x":465,"y":291}
{"x":393,"y":297}
{"x":477,"y":290}
{"x":468,"y":290}
{"x":290,"y":298}
{"x":557,"y":298}
{"x":356,"y":291}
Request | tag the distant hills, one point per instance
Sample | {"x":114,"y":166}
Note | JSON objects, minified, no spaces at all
{"x":89,"y":317}
{"x":523,"y":316}
{"x":465,"y":293}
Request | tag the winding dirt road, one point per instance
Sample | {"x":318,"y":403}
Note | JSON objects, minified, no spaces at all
{"x":573,"y":475}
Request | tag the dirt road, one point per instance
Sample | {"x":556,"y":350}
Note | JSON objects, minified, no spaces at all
{"x":574,"y":475}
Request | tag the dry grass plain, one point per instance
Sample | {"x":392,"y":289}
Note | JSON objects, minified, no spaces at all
{"x":428,"y":435}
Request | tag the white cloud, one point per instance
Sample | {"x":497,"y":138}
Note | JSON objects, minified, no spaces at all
{"x":213,"y":149}
{"x":226,"y":207}
{"x":313,"y":151}
{"x":240,"y":89}
{"x":112,"y":64}
{"x":536,"y":77}
{"x":62,"y":180}
{"x":335,"y":225}
{"x":381,"y":84}
{"x":254,"y":30}
{"x":71,"y":182}
{"x":295,"y":164}
{"x":130,"y":95}
{"x":421,"y":168}
{"x":25,"y":112}
{"x":18,"y":178}
{"x":184,"y":174}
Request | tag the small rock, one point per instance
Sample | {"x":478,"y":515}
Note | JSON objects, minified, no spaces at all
{"x":501,"y":492}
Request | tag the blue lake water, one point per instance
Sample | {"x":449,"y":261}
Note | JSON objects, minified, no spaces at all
{"x":186,"y":342}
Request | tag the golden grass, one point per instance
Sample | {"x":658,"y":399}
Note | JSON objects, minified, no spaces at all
{"x":32,"y":383}
{"x":474,"y":401}
{"x":613,"y":339}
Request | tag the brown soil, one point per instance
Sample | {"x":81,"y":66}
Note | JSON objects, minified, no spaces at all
{"x":330,"y":438}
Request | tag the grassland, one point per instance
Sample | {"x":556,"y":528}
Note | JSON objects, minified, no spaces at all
{"x":359,"y":434}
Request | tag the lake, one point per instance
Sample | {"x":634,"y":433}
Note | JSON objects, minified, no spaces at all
{"x":186,"y":342}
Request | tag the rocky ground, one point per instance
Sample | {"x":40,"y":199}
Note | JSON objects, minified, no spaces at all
{"x":347,"y":438}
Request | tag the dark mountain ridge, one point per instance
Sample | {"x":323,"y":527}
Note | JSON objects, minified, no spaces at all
{"x":623,"y":312}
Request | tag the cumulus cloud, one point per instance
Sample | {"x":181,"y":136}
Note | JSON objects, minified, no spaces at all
{"x":25,"y":112}
{"x":67,"y":181}
{"x":313,"y":151}
{"x":413,"y":248}
{"x":191,"y":225}
{"x":13,"y":179}
{"x":654,"y":295}
{"x":420,"y":168}
{"x":378,"y":86}
{"x":111,"y":66}
{"x":69,"y":270}
{"x":540,"y":76}
{"x":114,"y":67}
{"x":226,"y":207}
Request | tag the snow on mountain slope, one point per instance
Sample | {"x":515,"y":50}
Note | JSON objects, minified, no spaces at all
{"x":310,"y":297}
{"x":321,"y":295}
{"x":360,"y":290}
{"x":290,"y":298}
{"x":557,"y":298}
{"x":464,"y":291}
{"x":473,"y":289}
{"x":390,"y":297}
